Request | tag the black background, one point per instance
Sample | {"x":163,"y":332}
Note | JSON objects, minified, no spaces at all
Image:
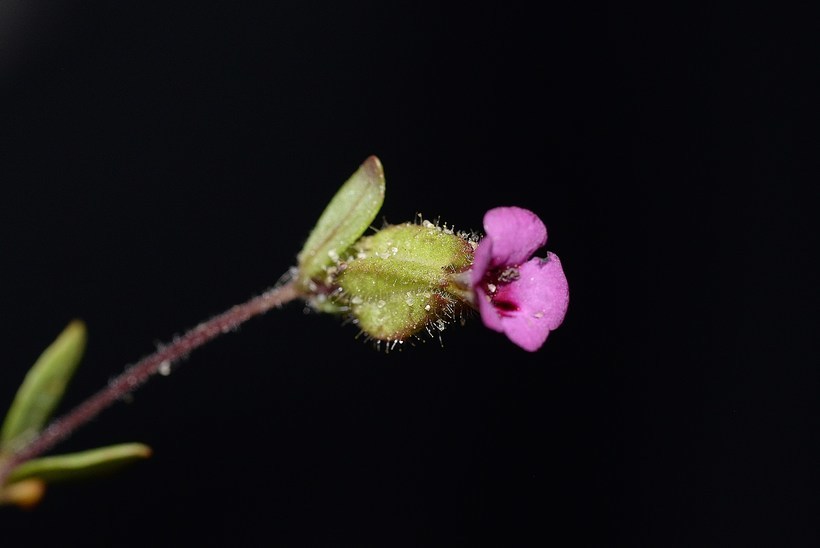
{"x":161,"y":163}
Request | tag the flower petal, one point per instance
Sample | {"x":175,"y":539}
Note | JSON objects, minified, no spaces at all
{"x":541,"y":295}
{"x":489,"y":314}
{"x":516,"y":234}
{"x":481,"y":261}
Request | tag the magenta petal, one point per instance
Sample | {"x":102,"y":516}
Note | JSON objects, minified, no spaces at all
{"x":489,"y":314}
{"x":516,"y":234}
{"x":542,"y":296}
{"x":481,"y":261}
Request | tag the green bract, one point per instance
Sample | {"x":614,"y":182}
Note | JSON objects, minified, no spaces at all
{"x":344,"y":219}
{"x":35,"y":401}
{"x":43,"y":387}
{"x":396,"y":283}
{"x":82,"y":464}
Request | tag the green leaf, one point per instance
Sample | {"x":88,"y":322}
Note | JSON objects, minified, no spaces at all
{"x":345,"y":218}
{"x":80,"y":465}
{"x":43,"y":387}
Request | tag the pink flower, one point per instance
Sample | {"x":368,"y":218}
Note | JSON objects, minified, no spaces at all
{"x":518,"y":295}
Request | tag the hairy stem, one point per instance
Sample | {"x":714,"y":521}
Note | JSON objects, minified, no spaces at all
{"x":137,"y":374}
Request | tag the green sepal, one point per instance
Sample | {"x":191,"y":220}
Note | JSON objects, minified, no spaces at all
{"x":398,"y":316}
{"x":345,"y":218}
{"x":397,"y":282}
{"x":80,"y":465}
{"x":43,"y":387}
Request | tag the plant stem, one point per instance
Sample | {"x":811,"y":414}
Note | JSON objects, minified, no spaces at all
{"x":137,"y":374}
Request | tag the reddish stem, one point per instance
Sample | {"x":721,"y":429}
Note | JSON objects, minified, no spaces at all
{"x":137,"y":374}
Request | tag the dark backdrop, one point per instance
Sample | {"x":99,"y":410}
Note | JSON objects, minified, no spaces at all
{"x":162,"y":163}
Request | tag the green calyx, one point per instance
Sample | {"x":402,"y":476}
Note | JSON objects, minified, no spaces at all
{"x":398,"y":281}
{"x":394,"y":283}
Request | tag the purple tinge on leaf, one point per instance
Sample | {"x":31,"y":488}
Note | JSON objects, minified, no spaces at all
{"x":519,"y":295}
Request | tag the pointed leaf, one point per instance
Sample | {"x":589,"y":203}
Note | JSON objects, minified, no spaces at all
{"x":345,"y":218}
{"x":80,"y":465}
{"x":43,"y":387}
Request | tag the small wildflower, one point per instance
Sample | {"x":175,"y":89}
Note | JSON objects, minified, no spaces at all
{"x":522,"y":296}
{"x":415,"y":277}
